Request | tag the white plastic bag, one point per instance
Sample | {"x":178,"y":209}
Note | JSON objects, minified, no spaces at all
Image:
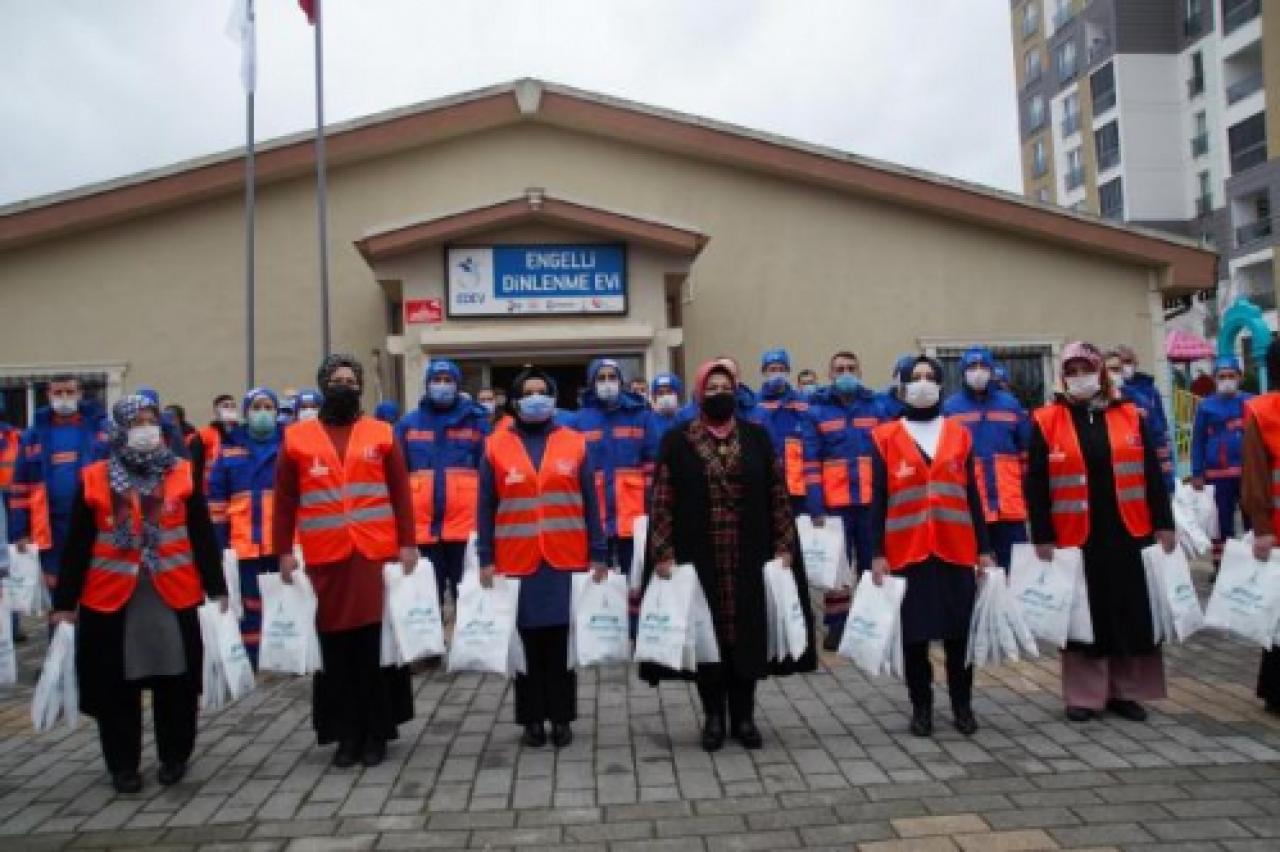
{"x":1246,"y":595}
{"x":214,"y":692}
{"x":997,"y":631}
{"x":57,"y":693}
{"x":471,"y":559}
{"x":413,"y":603}
{"x":236,"y":668}
{"x":826,"y":562}
{"x":1046,"y":592}
{"x":485,"y":638}
{"x":1080,"y":628}
{"x":8,"y":655}
{"x":700,"y":642}
{"x":24,"y":588}
{"x":639,"y":541}
{"x":873,"y":632}
{"x":289,"y":641}
{"x":788,"y":633}
{"x":598,"y":630}
{"x":1195,"y":521}
{"x":666,"y":618}
{"x":231,"y":573}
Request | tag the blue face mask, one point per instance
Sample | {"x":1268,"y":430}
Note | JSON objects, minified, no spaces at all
{"x":442,"y":393}
{"x":847,"y":384}
{"x":776,"y":385}
{"x":536,"y":408}
{"x":808,"y":390}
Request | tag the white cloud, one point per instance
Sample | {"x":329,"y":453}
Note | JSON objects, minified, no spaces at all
{"x":94,"y":90}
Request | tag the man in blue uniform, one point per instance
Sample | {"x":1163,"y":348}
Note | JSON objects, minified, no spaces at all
{"x":1217,"y":442}
{"x":790,"y":422}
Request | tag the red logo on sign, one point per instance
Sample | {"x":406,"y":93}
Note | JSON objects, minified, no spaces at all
{"x":429,"y":311}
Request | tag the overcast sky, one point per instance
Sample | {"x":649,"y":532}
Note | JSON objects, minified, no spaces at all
{"x":94,"y":89}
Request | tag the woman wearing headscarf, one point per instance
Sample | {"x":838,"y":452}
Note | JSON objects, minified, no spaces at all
{"x":140,"y":557}
{"x":343,"y":488}
{"x":1094,"y":482}
{"x":929,"y":526}
{"x":720,"y":503}
{"x":538,"y":520}
{"x":242,"y":501}
{"x":1260,"y":499}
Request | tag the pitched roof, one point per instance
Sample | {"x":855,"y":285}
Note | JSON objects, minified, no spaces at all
{"x":1184,"y":265}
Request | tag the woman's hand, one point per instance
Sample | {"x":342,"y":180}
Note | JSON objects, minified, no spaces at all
{"x":1044,"y":552}
{"x":288,"y":564}
{"x":1168,"y":540}
{"x":1262,"y":545}
{"x":23,"y":545}
{"x":599,"y":572}
{"x":663,"y":569}
{"x":986,"y":560}
{"x":783,"y":559}
{"x":819,"y":521}
{"x":879,"y":568}
{"x":486,"y":576}
{"x":409,"y":559}
{"x":61,"y":617}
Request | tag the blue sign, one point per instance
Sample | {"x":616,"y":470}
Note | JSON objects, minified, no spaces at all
{"x":542,"y":279}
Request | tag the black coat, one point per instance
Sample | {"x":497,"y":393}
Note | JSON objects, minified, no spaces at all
{"x":691,"y":513}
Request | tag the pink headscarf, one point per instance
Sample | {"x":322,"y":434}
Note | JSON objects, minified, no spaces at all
{"x":1082,"y":351}
{"x":724,"y":366}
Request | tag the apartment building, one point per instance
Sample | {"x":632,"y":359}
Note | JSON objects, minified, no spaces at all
{"x":1154,"y":112}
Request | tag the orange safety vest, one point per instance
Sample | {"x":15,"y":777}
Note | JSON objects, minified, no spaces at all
{"x":211,"y":440}
{"x":1264,"y":410}
{"x":240,"y":520}
{"x":461,"y":490}
{"x":1069,"y":477}
{"x":928,"y":504}
{"x":10,"y":440}
{"x":541,"y":514}
{"x":1009,"y":472}
{"x":343,"y":504}
{"x":113,"y":570}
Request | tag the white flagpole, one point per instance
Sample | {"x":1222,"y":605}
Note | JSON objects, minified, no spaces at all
{"x":250,"y":201}
{"x":322,"y":223}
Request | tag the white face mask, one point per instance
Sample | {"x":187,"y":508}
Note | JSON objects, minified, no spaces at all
{"x":144,"y":438}
{"x":308,"y":413}
{"x":1117,"y":378}
{"x":608,"y":390}
{"x":1129,"y":370}
{"x":229,"y":414}
{"x":65,"y":405}
{"x":1228,"y":386}
{"x":922,"y":393}
{"x":978,"y":379}
{"x":666,"y":403}
{"x":1084,"y":387}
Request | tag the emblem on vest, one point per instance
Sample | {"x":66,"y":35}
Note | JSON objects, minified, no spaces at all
{"x":318,"y":468}
{"x":1056,"y":455}
{"x":372,"y":454}
{"x":514,"y":477}
{"x":564,"y":467}
{"x":904,"y":471}
{"x":1135,"y":441}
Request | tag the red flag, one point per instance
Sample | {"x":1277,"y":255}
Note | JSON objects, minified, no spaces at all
{"x":309,"y":8}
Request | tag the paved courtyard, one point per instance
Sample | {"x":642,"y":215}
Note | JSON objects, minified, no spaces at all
{"x":837,"y":771}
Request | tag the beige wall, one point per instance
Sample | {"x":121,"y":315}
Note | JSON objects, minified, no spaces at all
{"x":787,"y":264}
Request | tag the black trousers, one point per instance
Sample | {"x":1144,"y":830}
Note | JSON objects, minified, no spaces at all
{"x":355,"y":700}
{"x":719,"y":685}
{"x":548,"y":691}
{"x":174,"y":706}
{"x":1269,"y":677}
{"x":919,"y":672}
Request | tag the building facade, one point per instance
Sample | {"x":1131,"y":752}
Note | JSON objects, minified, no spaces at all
{"x":1157,"y":113}
{"x":532,"y":222}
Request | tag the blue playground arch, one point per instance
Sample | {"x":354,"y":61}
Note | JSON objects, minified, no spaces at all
{"x":1244,"y":316}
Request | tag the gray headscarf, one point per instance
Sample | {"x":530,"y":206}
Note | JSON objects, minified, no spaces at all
{"x":136,"y":471}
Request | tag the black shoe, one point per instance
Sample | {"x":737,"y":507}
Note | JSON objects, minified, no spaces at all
{"x":1080,"y":714}
{"x":1131,"y":710}
{"x":965,"y":723}
{"x":832,"y":640}
{"x":171,"y":773}
{"x":561,"y":734}
{"x":1272,"y":707}
{"x":127,"y":783}
{"x":535,"y":736}
{"x":748,"y":734}
{"x":922,"y":722}
{"x":713,"y":734}
{"x":347,"y":754}
{"x":374,"y":752}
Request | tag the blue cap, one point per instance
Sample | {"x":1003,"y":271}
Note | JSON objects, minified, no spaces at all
{"x":977,"y":355}
{"x":257,"y":392}
{"x":599,"y":364}
{"x":442,"y":365}
{"x":151,"y":395}
{"x":1226,"y":362}
{"x":666,"y":381}
{"x":309,"y":397}
{"x":903,"y":366}
{"x":775,"y":356}
{"x":388,"y":411}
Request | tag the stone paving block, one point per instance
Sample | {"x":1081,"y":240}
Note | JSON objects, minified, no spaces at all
{"x":846,"y":833}
{"x":942,"y":825}
{"x":1006,"y":841}
{"x":918,"y":844}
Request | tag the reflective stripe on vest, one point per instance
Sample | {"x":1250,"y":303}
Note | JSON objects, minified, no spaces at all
{"x":1069,"y":477}
{"x":344,"y":505}
{"x":113,"y":570}
{"x":541,"y":515}
{"x":928,"y":503}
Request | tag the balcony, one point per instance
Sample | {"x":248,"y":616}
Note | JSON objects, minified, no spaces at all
{"x":1192,"y":27}
{"x":1244,"y":87}
{"x":1108,"y":158}
{"x":1103,"y":101}
{"x":1030,"y":22}
{"x":1243,"y":159}
{"x":1067,"y":71}
{"x":1034,"y":73}
{"x":1237,"y":13}
{"x":1195,"y":87}
{"x":1075,"y":178}
{"x":1204,"y":206}
{"x":1098,"y":49}
{"x":1070,"y":124}
{"x":1253,"y":232}
{"x":1200,"y":144}
{"x":1063,"y":16}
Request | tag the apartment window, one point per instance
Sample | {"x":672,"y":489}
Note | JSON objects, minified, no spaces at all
{"x":1065,"y":59}
{"x":1032,"y":65}
{"x":1103,"y":84}
{"x":1193,"y":23}
{"x":1062,"y":13}
{"x":1195,"y":83}
{"x":1106,"y":143}
{"x":1111,"y":199}
{"x":1039,"y":161}
{"x":1248,"y":143}
{"x":1030,"y":18}
{"x":1075,"y":169}
{"x":1204,"y":201}
{"x":1237,"y":13}
{"x":1200,"y":139}
{"x":1070,"y":114}
{"x":1035,"y":113}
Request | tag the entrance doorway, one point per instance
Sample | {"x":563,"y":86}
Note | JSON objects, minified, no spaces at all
{"x":568,"y":371}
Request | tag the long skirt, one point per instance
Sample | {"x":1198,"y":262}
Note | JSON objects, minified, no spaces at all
{"x":355,"y":700}
{"x":1091,"y":682}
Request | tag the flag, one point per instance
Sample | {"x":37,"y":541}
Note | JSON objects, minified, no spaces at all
{"x":240,"y":29}
{"x":309,"y":9}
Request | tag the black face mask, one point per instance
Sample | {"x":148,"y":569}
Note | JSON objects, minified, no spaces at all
{"x":718,"y":407}
{"x":341,"y":404}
